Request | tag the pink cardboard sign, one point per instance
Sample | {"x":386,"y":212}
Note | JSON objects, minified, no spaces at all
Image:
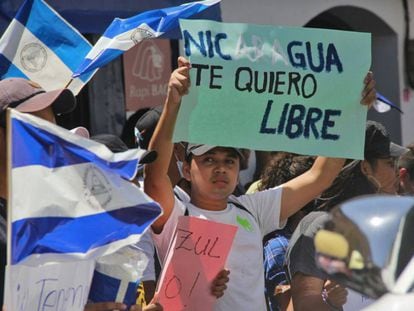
{"x":197,"y":254}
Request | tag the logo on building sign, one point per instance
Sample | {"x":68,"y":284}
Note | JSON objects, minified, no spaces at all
{"x":97,"y":187}
{"x":147,"y":69}
{"x":33,"y":57}
{"x":149,"y":62}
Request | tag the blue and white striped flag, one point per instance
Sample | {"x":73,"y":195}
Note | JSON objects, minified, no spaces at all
{"x":123,"y":34}
{"x":69,"y":195}
{"x":41,"y":46}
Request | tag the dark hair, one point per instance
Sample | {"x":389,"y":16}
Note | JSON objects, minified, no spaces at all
{"x":188,"y":157}
{"x":351,"y":182}
{"x":281,"y":168}
{"x":284,"y":167}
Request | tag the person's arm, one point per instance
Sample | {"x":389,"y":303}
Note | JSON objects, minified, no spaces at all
{"x":306,"y":187}
{"x":283,"y":297}
{"x":307,"y":294}
{"x":105,"y":306}
{"x":149,"y":289}
{"x":299,"y":191}
{"x":150,"y":307}
{"x":114,"y":306}
{"x":156,"y":181}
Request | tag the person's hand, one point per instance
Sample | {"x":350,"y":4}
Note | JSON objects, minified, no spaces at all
{"x":105,"y":306}
{"x":179,"y":83}
{"x":151,"y":307}
{"x":336,"y":294}
{"x":219,"y":283}
{"x":111,"y":306}
{"x":369,"y":94}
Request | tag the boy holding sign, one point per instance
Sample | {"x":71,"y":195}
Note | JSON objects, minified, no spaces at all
{"x":213,"y":174}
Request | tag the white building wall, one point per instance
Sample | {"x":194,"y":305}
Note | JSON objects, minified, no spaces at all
{"x":299,"y":12}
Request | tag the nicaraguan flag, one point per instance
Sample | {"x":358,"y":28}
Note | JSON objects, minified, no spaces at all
{"x":40,"y":45}
{"x":69,"y":196}
{"x":123,"y":34}
{"x":117,"y":276}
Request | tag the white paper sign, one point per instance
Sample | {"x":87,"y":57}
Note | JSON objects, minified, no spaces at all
{"x":53,"y":286}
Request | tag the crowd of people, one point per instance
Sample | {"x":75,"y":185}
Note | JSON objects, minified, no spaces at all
{"x":271,"y":265}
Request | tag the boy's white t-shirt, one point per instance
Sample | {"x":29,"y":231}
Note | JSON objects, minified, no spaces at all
{"x":245,"y":290}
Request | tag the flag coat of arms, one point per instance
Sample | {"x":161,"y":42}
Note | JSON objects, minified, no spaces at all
{"x":40,"y":45}
{"x":69,"y":196}
{"x":123,"y":34}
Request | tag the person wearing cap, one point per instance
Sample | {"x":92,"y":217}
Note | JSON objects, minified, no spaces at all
{"x":24,"y":96}
{"x":213,"y":174}
{"x":144,"y":129}
{"x":377,"y":173}
{"x":406,"y":171}
{"x":145,"y":126}
{"x":28,"y":96}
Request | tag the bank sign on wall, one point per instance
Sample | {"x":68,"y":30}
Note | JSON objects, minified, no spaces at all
{"x":275,"y":88}
{"x":147,"y":69}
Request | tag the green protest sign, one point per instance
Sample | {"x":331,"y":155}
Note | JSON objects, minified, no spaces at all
{"x":275,"y":88}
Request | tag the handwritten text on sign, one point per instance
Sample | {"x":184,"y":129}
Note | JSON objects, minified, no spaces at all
{"x":198,"y":252}
{"x":57,"y":286}
{"x":275,"y":88}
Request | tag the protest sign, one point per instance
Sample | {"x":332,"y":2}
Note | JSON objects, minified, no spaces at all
{"x":52,"y":286}
{"x":197,"y":253}
{"x":275,"y":88}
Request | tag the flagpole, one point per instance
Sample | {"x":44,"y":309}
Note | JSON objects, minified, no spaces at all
{"x":8,"y":184}
{"x":67,"y":85}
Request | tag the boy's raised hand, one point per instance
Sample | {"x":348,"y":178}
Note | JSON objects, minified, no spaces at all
{"x":179,"y":83}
